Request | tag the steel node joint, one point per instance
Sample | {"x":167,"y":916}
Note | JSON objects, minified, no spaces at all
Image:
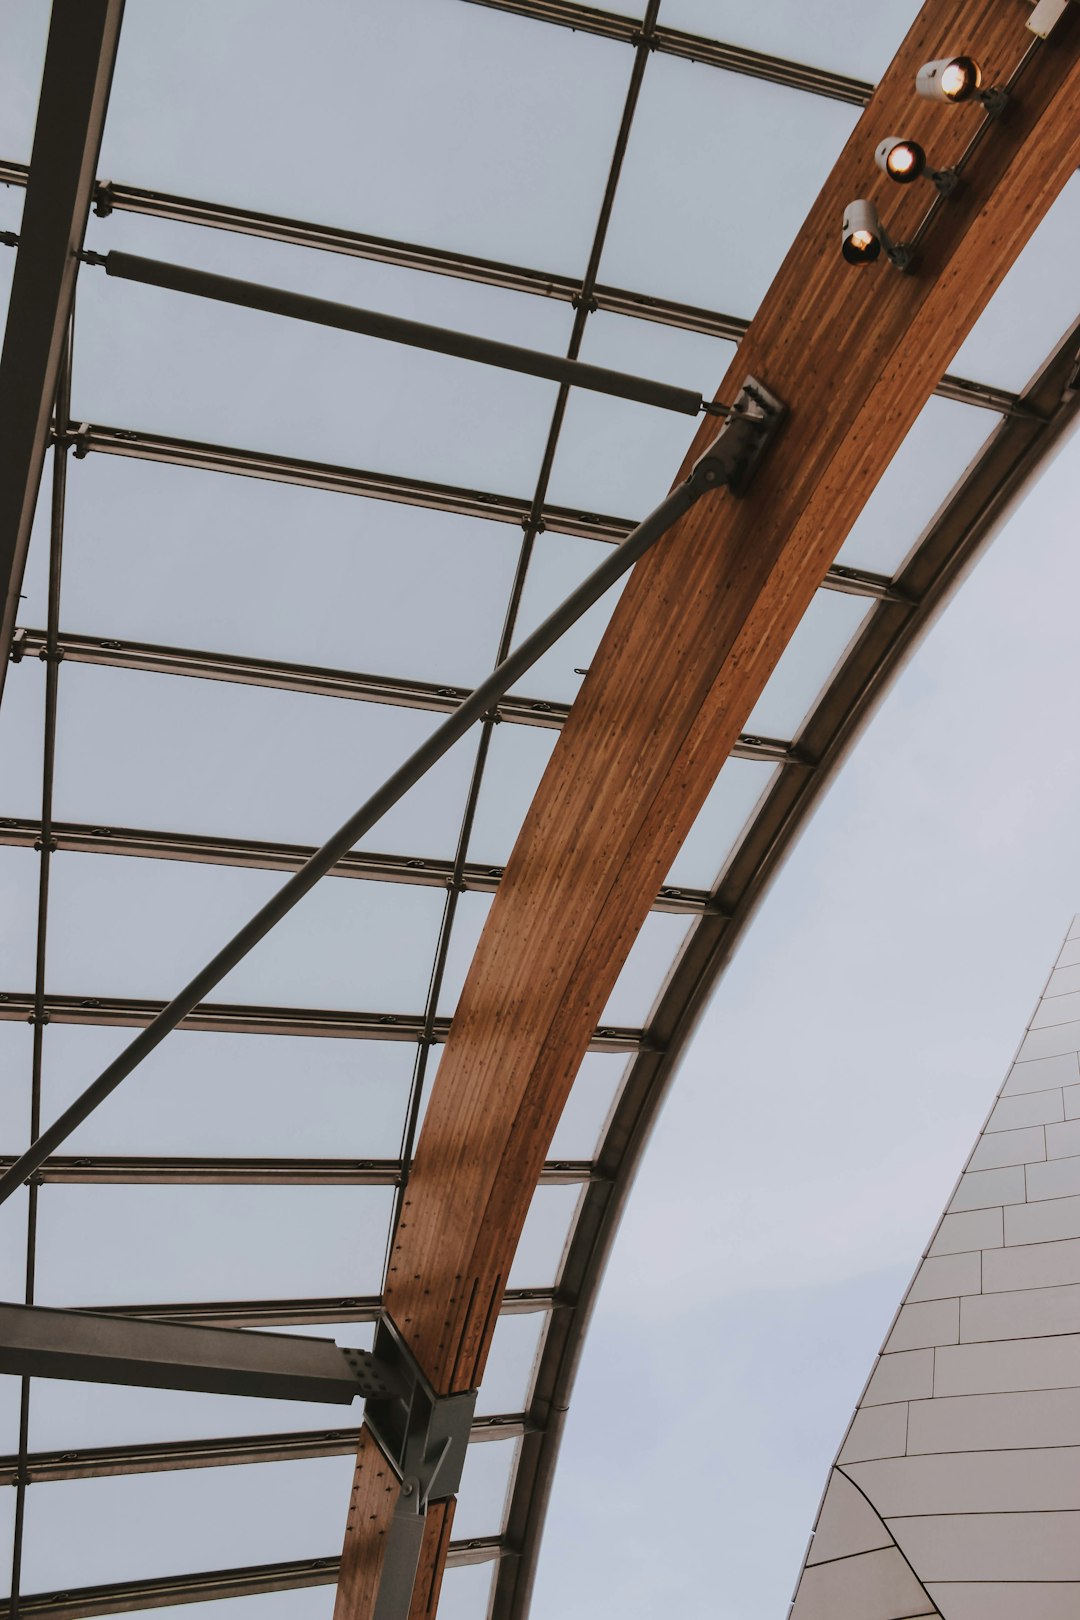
{"x":731,"y":460}
{"x":424,"y":1435}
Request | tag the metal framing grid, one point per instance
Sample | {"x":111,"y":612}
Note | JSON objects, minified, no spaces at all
{"x":901,"y":611}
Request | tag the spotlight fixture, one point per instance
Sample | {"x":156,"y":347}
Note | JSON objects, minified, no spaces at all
{"x":902,"y":160}
{"x":864,"y":237}
{"x":951,"y":78}
{"x":862,"y":232}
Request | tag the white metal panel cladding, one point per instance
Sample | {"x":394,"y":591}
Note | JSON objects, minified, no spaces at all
{"x":959,"y":1472}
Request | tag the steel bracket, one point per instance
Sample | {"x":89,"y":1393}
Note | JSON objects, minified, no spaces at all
{"x":423,"y":1435}
{"x":752,"y":423}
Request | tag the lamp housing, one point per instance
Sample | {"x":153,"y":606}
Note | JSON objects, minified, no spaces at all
{"x":902,"y":160}
{"x":862,"y":233}
{"x":951,"y":79}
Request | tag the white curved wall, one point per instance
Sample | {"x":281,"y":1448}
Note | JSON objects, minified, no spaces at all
{"x":957,"y":1489}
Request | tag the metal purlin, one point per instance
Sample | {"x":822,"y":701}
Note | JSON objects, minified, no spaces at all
{"x":52,"y":656}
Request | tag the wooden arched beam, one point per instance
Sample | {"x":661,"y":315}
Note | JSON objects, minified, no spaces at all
{"x":855,"y":353}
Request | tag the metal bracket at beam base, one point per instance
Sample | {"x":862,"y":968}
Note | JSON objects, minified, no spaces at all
{"x":732,"y":458}
{"x":423,"y":1435}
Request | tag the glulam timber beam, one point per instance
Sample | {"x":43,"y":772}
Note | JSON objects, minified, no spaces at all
{"x":79,"y":60}
{"x":855,"y":353}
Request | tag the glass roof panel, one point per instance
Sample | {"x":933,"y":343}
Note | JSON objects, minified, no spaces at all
{"x":242,"y":565}
{"x":1034,"y":305}
{"x":591,"y":1098}
{"x":511,"y":1362}
{"x":161,"y":751}
{"x":173,"y":363}
{"x":485,"y":1481}
{"x":407,"y":118}
{"x":921,"y":475}
{"x":826,"y":628}
{"x":469,"y":919}
{"x":141,"y":928}
{"x":850,"y":38}
{"x":13,"y":1248}
{"x":466,"y":1592}
{"x":69,"y":1416}
{"x":19,"y":872}
{"x":10,"y":1398}
{"x":135,"y":1245}
{"x":645,"y":969}
{"x":679,"y":188}
{"x":720,"y":822}
{"x":214,"y":1095}
{"x":16,"y":1045}
{"x":559,"y":563}
{"x":22,"y":722}
{"x":544,"y":1236}
{"x":25,"y":29}
{"x":517,"y":758}
{"x":180,"y":1521}
{"x":304,"y":1603}
{"x":7,"y":1538}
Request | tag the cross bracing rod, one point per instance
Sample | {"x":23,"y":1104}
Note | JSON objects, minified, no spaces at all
{"x":123,"y":1597}
{"x":148,"y":658}
{"x":144,"y":1170}
{"x":237,"y":1018}
{"x":168,"y":1456}
{"x":728,"y":463}
{"x":36,"y":1342}
{"x":396,"y":329}
{"x":90,"y":437}
{"x":263,"y":855}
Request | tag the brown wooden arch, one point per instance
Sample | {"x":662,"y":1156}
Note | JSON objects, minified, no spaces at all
{"x":855,"y":353}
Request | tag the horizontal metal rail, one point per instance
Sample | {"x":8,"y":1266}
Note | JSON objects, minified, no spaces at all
{"x":149,"y":658}
{"x":150,"y":1170}
{"x":694,"y":47}
{"x":261,"y":855}
{"x":229,"y":1018}
{"x":330,"y":1310}
{"x":123,"y":1597}
{"x":94,"y":438}
{"x":169,"y":1456}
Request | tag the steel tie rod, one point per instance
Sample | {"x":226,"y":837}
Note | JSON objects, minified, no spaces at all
{"x":729,"y":460}
{"x":396,"y":329}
